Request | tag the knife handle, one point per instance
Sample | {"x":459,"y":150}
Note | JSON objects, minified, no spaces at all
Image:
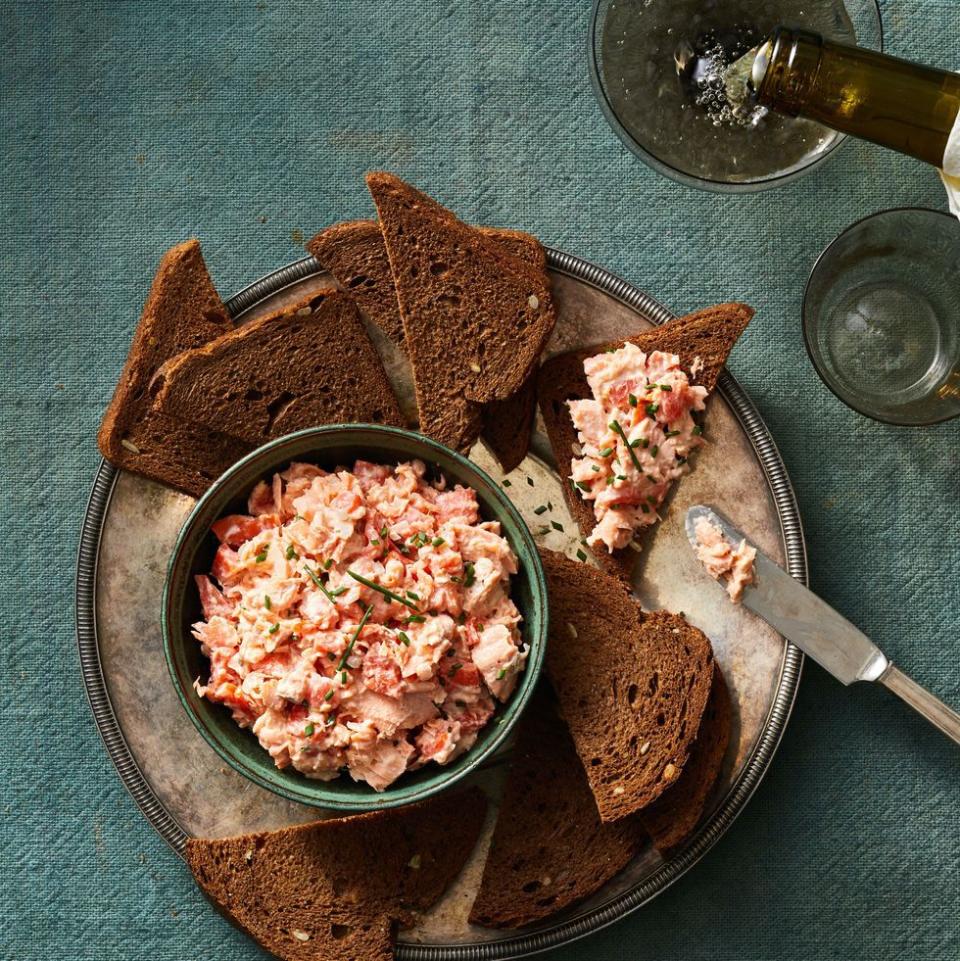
{"x":922,"y":701}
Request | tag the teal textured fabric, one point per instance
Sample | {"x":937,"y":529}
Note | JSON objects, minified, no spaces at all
{"x":128,"y":126}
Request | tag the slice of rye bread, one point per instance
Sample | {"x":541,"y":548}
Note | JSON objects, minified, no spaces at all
{"x":182,"y":311}
{"x":309,"y":363}
{"x":337,"y":889}
{"x":474,"y":316}
{"x":708,"y":334}
{"x":632,"y":685}
{"x":549,"y":848}
{"x":671,"y":819}
{"x":354,"y":252}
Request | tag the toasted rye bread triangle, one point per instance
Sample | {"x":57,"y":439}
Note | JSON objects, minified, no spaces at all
{"x":549,"y":848}
{"x":672,"y":818}
{"x":182,"y":311}
{"x":310,"y":363}
{"x":475,"y":316}
{"x":631,"y":685}
{"x":708,"y":334}
{"x":354,"y":252}
{"x":336,"y":889}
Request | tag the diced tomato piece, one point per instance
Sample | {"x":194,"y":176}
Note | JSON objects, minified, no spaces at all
{"x":236,"y":529}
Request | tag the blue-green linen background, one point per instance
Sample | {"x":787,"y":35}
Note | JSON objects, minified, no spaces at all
{"x":128,"y":126}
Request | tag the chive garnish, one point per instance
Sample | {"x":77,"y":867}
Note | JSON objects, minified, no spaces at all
{"x":605,"y":452}
{"x":438,"y":542}
{"x":343,"y":677}
{"x":331,"y":656}
{"x":580,"y":554}
{"x":556,"y":525}
{"x":583,"y":485}
{"x":453,"y":670}
{"x":542,"y":509}
{"x":652,"y":409}
{"x":315,"y":577}
{"x":328,"y":563}
{"x":632,"y":399}
{"x":308,"y":730}
{"x":468,"y":574}
{"x":645,"y":443}
{"x":402,"y":635}
{"x":262,"y":556}
{"x":331,"y":719}
{"x":274,"y":629}
{"x":329,"y":695}
{"x":384,"y":531}
{"x":671,"y":433}
{"x":415,"y":619}
{"x":506,"y":482}
{"x":267,"y":603}
{"x":353,"y":640}
{"x":616,"y":428}
{"x":595,"y":469}
{"x":501,"y":674}
{"x":413,"y":595}
{"x":621,"y":477}
{"x":665,"y":387}
{"x":654,"y":450}
{"x":291,"y":554}
{"x":374,"y":586}
{"x":375,"y":541}
{"x":697,"y":430}
{"x":530,"y":482}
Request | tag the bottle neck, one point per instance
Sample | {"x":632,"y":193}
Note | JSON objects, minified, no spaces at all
{"x":897,"y":104}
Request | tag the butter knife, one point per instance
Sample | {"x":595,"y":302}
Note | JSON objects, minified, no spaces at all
{"x":819,"y":631}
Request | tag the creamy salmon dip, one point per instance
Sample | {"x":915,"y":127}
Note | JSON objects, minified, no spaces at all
{"x":723,"y":561}
{"x":636,"y":434}
{"x":360,"y":620}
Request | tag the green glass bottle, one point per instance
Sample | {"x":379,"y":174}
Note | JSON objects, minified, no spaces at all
{"x":897,"y":104}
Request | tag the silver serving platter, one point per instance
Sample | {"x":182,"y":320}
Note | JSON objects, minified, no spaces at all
{"x":184,"y":790}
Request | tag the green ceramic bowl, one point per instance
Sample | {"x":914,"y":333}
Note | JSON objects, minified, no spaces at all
{"x":193,"y":554}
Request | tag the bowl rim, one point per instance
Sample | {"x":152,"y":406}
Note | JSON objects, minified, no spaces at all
{"x":681,"y":176}
{"x":472,"y":759}
{"x":806,"y":311}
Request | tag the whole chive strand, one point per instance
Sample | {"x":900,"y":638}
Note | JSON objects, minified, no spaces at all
{"x":617,"y":429}
{"x":374,"y":586}
{"x":353,"y":640}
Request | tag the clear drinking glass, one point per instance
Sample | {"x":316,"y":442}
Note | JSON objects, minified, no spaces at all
{"x":633,"y":47}
{"x":881,"y":316}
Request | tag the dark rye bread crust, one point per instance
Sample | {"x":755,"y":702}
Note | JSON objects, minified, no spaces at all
{"x":549,"y":848}
{"x":310,"y":363}
{"x":631,"y":685}
{"x":182,"y":311}
{"x":475,"y":317}
{"x":338,"y":888}
{"x":672,"y":818}
{"x":354,"y":252}
{"x":708,"y":334}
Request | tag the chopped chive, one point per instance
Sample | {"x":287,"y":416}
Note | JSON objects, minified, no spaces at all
{"x":530,"y":481}
{"x":615,"y":426}
{"x":308,"y":730}
{"x":581,"y":555}
{"x":374,"y":586}
{"x":635,"y":443}
{"x":331,"y":719}
{"x":328,"y":563}
{"x":343,"y":677}
{"x":375,"y":541}
{"x":438,"y":542}
{"x":621,"y":477}
{"x":645,"y":443}
{"x":291,"y":554}
{"x":331,"y":656}
{"x":329,"y":695}
{"x":665,"y":387}
{"x":609,"y":481}
{"x":338,"y":592}
{"x":404,"y":638}
{"x":315,"y":577}
{"x":413,"y":595}
{"x":506,"y":482}
{"x":384,"y":531}
{"x":549,"y":506}
{"x":501,"y":674}
{"x":654,"y":450}
{"x":453,"y":670}
{"x":556,"y":525}
{"x":262,"y":556}
{"x":652,"y":409}
{"x":542,"y":509}
{"x":274,"y":629}
{"x":595,"y":469}
{"x":632,"y":399}
{"x":267,"y":603}
{"x":697,"y":430}
{"x":671,"y":433}
{"x":415,"y":619}
{"x":583,"y":485}
{"x":353,"y":640}
{"x":468,"y":574}
{"x":605,"y":452}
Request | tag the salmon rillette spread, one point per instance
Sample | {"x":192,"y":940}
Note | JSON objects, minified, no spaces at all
{"x":636,"y":433}
{"x":360,"y":620}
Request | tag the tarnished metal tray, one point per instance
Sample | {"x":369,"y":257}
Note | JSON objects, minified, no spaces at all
{"x":184,"y":789}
